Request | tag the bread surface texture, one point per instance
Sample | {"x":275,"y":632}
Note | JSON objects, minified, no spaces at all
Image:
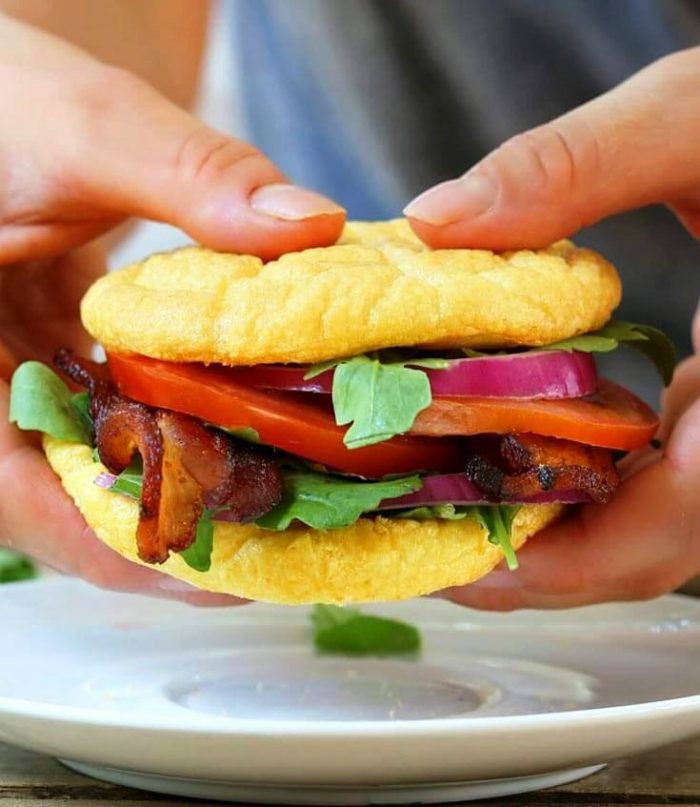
{"x":373,"y":560}
{"x":379,"y":287}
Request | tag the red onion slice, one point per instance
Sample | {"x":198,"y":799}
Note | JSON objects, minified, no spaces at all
{"x":105,"y":480}
{"x":553,"y":374}
{"x":439,"y":489}
{"x":457,"y":489}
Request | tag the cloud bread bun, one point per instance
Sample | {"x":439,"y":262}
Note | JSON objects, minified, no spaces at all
{"x":378,"y":287}
{"x":375,"y":559}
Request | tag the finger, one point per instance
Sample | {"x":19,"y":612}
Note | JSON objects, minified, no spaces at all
{"x":118,"y":149}
{"x":684,"y":389}
{"x":644,"y":543}
{"x":638,"y":546}
{"x":633,"y":146}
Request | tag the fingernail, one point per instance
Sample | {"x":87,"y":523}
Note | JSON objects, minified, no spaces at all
{"x":291,"y":203}
{"x":454,"y":200}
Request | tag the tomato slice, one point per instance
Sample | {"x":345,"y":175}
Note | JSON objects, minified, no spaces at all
{"x":288,"y":421}
{"x":612,"y":418}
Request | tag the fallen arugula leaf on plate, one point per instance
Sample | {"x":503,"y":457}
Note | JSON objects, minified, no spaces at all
{"x":15,"y":567}
{"x":350,"y":632}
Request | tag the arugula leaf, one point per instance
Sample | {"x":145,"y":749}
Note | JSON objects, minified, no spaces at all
{"x":349,"y":631}
{"x":498,"y":521}
{"x":650,"y":341}
{"x":449,"y":512}
{"x":40,"y":401}
{"x":129,"y":482}
{"x":325,"y":502}
{"x":247,"y":433}
{"x":379,"y":400}
{"x":429,"y":364}
{"x":15,"y":567}
{"x":198,"y":555}
{"x":321,"y":367}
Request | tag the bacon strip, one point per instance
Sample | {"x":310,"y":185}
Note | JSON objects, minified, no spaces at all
{"x":517,"y":466}
{"x":186,"y":466}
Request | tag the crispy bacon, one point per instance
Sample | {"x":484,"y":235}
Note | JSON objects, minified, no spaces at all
{"x":186,"y":466}
{"x":517,"y":466}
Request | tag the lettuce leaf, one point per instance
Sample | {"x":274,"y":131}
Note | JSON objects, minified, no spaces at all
{"x":349,"y":631}
{"x":326,"y":502}
{"x":40,"y":401}
{"x":650,"y":341}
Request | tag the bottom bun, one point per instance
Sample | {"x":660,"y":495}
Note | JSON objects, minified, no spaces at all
{"x":375,"y":559}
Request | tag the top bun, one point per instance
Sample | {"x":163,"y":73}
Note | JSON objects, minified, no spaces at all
{"x":378,"y":287}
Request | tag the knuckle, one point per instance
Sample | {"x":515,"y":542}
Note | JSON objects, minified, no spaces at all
{"x":103,"y":90}
{"x":560,"y":157}
{"x":204,"y":153}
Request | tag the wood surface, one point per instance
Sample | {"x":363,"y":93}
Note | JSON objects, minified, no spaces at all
{"x":668,"y":776}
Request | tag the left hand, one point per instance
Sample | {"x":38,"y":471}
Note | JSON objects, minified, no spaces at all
{"x":38,"y":312}
{"x":633,"y":146}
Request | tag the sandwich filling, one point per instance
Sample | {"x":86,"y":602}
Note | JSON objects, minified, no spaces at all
{"x":398,"y":434}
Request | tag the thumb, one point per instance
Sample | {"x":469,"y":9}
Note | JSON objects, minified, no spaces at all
{"x":118,"y":148}
{"x":633,"y":146}
{"x":162,"y":163}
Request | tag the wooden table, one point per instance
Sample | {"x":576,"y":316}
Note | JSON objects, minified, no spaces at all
{"x":669,"y":776}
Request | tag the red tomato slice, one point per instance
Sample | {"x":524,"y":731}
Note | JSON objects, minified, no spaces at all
{"x":613,"y":418}
{"x":285,"y":420}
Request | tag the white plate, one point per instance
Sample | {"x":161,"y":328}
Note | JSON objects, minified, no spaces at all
{"x":234,"y":704}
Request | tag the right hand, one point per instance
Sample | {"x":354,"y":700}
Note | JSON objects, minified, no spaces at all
{"x":84,"y":147}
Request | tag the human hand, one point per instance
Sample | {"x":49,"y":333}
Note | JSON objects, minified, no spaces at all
{"x":89,"y":146}
{"x":634,"y":146}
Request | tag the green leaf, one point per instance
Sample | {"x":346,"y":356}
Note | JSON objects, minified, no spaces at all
{"x":497,"y":520}
{"x":40,"y":401}
{"x":246,"y":433}
{"x":326,"y":502}
{"x":379,"y":400}
{"x":650,"y":341}
{"x":449,"y":512}
{"x":81,"y":404}
{"x":349,"y":631}
{"x":586,"y":343}
{"x":15,"y":567}
{"x":198,"y":555}
{"x":129,"y":482}
{"x":321,"y":367}
{"x":429,"y":364}
{"x":655,"y":345}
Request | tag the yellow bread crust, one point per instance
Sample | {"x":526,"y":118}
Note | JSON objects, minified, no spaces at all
{"x":379,"y":287}
{"x":373,"y":560}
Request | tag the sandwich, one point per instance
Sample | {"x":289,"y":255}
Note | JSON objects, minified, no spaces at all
{"x":369,"y":421}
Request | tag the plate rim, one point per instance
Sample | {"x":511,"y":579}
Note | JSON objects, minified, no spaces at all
{"x":338,"y":729}
{"x":208,"y":724}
